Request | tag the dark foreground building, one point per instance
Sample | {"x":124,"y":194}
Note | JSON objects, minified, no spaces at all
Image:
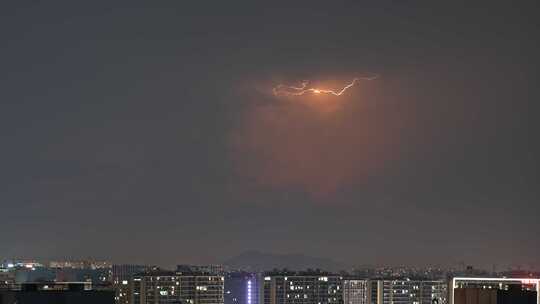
{"x":56,"y":293}
{"x":494,"y":291}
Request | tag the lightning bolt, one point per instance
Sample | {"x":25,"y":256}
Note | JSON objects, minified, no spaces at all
{"x":286,"y":90}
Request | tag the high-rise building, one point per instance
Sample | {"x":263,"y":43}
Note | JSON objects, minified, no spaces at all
{"x":160,"y":286}
{"x":406,"y":291}
{"x":121,"y":276}
{"x":355,"y":291}
{"x":494,"y":291}
{"x":301,"y":288}
{"x":54,"y":293}
{"x":241,"y":288}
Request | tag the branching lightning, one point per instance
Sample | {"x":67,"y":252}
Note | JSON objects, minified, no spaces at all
{"x":287,"y":90}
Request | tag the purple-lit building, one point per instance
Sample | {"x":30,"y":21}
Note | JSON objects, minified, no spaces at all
{"x":241,"y":288}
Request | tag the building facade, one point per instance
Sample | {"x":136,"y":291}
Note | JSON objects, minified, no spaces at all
{"x":242,"y":288}
{"x":494,"y":291}
{"x":55,"y":293}
{"x":405,"y":291}
{"x":355,"y":291}
{"x":172,"y":287}
{"x":301,"y":288}
{"x":121,"y":276}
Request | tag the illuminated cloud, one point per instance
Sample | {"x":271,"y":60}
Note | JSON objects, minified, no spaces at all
{"x":313,"y":146}
{"x":304,"y":88}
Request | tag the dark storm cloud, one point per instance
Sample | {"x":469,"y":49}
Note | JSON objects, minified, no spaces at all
{"x":116,"y":119}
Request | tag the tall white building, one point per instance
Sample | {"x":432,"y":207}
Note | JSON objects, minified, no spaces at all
{"x":394,"y":291}
{"x":171,"y":287}
{"x":407,"y":291}
{"x":301,"y":288}
{"x":356,"y":291}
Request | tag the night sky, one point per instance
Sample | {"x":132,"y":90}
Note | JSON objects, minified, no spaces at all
{"x":146,"y":131}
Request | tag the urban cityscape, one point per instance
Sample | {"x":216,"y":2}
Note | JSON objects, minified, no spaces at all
{"x":269,"y":152}
{"x":94,"y":281}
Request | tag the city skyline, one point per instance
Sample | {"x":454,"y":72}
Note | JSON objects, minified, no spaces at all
{"x":29,"y":282}
{"x":244,"y":264}
{"x":150,"y":132}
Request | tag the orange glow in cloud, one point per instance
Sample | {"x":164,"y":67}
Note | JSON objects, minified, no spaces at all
{"x":284,"y":145}
{"x":286,"y":90}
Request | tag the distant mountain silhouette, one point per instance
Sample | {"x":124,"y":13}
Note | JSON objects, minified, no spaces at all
{"x":258,"y":261}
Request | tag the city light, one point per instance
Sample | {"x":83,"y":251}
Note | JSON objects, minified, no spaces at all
{"x":249,"y":292}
